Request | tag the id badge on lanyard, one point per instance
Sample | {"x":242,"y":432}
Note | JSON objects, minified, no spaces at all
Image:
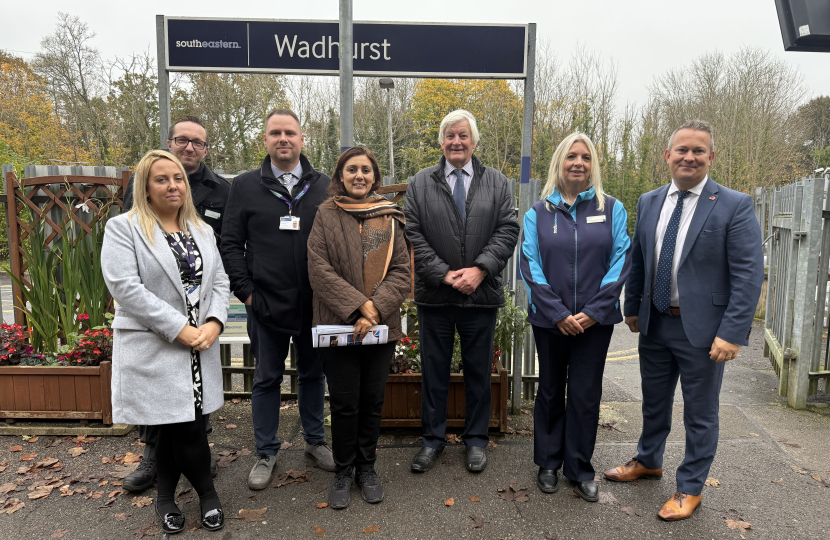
{"x":290,"y":222}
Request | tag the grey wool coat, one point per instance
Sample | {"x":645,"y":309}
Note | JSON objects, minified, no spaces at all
{"x":151,"y":376}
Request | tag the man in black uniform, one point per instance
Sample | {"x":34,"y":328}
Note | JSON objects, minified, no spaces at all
{"x":188,"y":141}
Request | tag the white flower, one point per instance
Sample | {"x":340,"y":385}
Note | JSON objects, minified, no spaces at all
{"x":83,"y":207}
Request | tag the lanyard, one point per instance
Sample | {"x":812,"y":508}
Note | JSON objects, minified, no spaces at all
{"x":189,"y":255}
{"x":293,"y":201}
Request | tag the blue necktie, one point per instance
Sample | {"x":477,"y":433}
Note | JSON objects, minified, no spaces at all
{"x":662,"y":283}
{"x":460,"y":195}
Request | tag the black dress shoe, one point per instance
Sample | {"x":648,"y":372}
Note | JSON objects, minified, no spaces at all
{"x":172,"y":522}
{"x":588,"y":490}
{"x":213,"y":520}
{"x":476,"y":459}
{"x":425,"y":459}
{"x":547,"y":480}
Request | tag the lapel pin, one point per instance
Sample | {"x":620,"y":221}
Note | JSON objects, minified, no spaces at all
{"x":712,"y":198}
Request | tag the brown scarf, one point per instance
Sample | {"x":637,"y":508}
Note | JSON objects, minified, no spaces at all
{"x":379,"y":221}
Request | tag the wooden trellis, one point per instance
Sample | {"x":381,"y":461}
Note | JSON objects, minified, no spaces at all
{"x":54,"y":201}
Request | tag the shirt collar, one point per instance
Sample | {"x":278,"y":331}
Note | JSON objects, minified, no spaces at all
{"x":555,"y":198}
{"x":697,"y":190}
{"x":449,"y":169}
{"x":296,"y":171}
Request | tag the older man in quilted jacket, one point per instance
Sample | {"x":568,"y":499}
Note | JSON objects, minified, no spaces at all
{"x":462,"y":225}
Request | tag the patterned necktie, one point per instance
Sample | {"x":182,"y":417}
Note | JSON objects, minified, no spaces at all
{"x":460,"y":195}
{"x":662,"y":284}
{"x":286,"y":180}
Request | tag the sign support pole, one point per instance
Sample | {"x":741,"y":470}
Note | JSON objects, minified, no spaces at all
{"x":346,"y":76}
{"x":524,"y":205}
{"x":163,"y":83}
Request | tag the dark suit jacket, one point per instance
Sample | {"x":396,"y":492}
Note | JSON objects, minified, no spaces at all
{"x":721,"y":266}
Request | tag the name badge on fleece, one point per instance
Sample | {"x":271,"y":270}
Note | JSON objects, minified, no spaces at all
{"x":595,"y":219}
{"x":212,"y":214}
{"x":193,"y":295}
{"x":289,"y":223}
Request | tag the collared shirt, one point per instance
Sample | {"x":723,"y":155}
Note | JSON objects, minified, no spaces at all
{"x":449,"y":174}
{"x":296,"y":172}
{"x":689,"y":205}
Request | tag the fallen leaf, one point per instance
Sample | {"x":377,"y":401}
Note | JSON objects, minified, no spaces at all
{"x":551,"y":536}
{"x":141,"y":502}
{"x":11,"y":506}
{"x":610,"y":425}
{"x":604,"y":406}
{"x":84,"y":439}
{"x":121,"y":471}
{"x":607,"y":498}
{"x":252,"y":515}
{"x":131,"y":458}
{"x":525,"y":411}
{"x":712,"y":482}
{"x":99,"y":494}
{"x":236,"y":400}
{"x":492,"y":444}
{"x":16,"y":448}
{"x":41,"y":492}
{"x":740,"y":526}
{"x":779,"y":481}
{"x":122,"y":516}
{"x":222,"y":418}
{"x":754,"y":434}
{"x":290,"y":477}
{"x":148,"y":529}
{"x":453,"y":439}
{"x":230,"y":426}
{"x":475,"y":499}
{"x":48,"y":462}
{"x":66,"y":492}
{"x":632,"y":511}
{"x":115,"y":493}
{"x":371,"y":529}
{"x":59,"y":533}
{"x":76,"y":451}
{"x":322,"y":505}
{"x":244,"y":452}
{"x":816,"y":477}
{"x":619,"y":378}
{"x":285,"y":444}
{"x":478,"y":521}
{"x":512,"y":495}
{"x":799,"y":470}
{"x":34,"y":440}
{"x":449,"y":502}
{"x":53,"y":441}
{"x":7,"y":488}
{"x":3,"y":466}
{"x":104,"y":483}
{"x":28,"y":457}
{"x":318,"y":531}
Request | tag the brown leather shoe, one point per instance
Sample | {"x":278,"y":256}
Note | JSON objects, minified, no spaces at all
{"x":631,"y":471}
{"x":679,"y":507}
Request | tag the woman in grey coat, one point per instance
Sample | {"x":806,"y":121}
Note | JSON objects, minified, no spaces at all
{"x":163,"y":269}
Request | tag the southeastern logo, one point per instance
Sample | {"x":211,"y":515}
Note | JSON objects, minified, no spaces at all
{"x":198,"y":44}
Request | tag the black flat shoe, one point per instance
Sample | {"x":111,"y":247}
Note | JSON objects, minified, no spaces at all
{"x":547,"y":480}
{"x":213,"y":520}
{"x":588,"y":490}
{"x":172,"y":522}
{"x":476,"y":459}
{"x":425,"y":459}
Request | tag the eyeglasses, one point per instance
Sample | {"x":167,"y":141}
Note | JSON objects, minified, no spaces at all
{"x":182,"y":142}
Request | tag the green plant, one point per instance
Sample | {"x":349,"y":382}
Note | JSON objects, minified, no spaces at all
{"x":511,"y":323}
{"x":42,"y":294}
{"x":70,"y":283}
{"x":93,"y":289}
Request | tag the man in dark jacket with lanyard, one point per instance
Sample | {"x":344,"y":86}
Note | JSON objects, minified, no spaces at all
{"x":267,"y":223}
{"x":188,"y":140}
{"x":462,"y":225}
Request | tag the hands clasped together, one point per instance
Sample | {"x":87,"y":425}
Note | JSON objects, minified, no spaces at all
{"x":465,"y":280}
{"x":200,"y":338}
{"x":370,"y":317}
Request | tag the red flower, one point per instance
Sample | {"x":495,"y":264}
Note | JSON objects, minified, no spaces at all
{"x":4,"y":357}
{"x":11,"y":349}
{"x":413,"y":346}
{"x":83,"y":317}
{"x":79,"y":360}
{"x":96,"y":351}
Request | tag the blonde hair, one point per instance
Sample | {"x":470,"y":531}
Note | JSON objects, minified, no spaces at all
{"x":556,"y":178}
{"x":147,"y":217}
{"x":459,"y":115}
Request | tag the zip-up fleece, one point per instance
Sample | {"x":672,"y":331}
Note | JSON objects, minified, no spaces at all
{"x":575,"y":259}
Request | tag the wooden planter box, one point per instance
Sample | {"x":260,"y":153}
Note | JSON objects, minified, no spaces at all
{"x":402,"y":402}
{"x":56,"y":392}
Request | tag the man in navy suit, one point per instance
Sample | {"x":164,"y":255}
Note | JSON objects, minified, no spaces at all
{"x":697,"y":270}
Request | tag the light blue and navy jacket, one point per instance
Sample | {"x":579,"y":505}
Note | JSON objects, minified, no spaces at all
{"x":575,"y":259}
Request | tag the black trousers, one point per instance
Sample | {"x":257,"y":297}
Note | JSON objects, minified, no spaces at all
{"x":150,"y":434}
{"x":182,"y":449}
{"x":476,"y":328}
{"x":357,"y":382}
{"x":567,"y":434}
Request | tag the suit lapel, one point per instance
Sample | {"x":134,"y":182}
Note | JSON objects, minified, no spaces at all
{"x":704,"y":206}
{"x":161,"y":251}
{"x":654,"y":207}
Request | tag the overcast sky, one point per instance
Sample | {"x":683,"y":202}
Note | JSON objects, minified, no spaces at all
{"x":643,"y":38}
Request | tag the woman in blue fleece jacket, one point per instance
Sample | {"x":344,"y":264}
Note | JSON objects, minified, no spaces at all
{"x":574,"y":261}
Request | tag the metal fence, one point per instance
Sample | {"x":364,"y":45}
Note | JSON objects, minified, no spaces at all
{"x":796,"y":221}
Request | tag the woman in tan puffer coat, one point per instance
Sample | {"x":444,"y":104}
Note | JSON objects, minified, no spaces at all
{"x":359,"y":268}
